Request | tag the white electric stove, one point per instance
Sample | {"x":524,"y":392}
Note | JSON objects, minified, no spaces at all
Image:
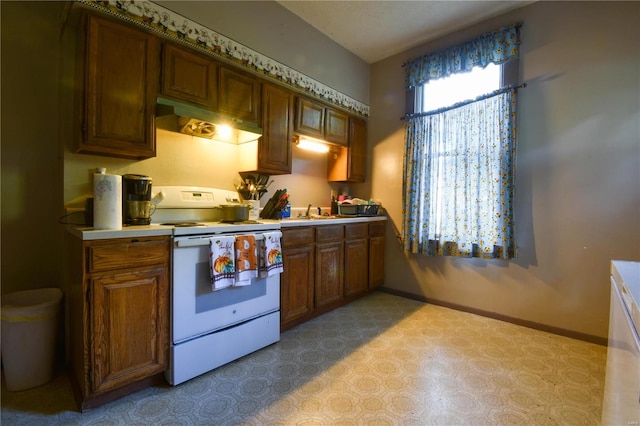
{"x":211,"y":328}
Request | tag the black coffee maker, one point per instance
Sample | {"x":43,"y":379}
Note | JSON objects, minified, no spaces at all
{"x":136,"y":200}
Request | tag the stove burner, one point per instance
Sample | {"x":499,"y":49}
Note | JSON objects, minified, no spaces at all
{"x":183,"y":224}
{"x":242,"y":222}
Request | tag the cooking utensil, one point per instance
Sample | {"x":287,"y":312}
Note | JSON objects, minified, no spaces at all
{"x":238,"y":184}
{"x":234,"y":212}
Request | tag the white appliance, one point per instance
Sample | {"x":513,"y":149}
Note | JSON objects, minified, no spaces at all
{"x":621,"y":405}
{"x":211,"y":328}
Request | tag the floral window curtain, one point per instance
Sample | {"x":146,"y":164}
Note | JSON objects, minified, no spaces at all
{"x":496,"y":47}
{"x":459,"y":169}
{"x":459,"y":180}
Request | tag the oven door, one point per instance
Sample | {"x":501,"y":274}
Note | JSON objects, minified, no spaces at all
{"x":197,"y":310}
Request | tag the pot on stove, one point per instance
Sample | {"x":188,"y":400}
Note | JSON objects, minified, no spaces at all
{"x":234,"y":212}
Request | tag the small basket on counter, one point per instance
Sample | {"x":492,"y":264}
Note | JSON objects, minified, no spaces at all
{"x":345,"y":209}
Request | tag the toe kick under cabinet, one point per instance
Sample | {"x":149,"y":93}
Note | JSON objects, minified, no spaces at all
{"x":118,"y":295}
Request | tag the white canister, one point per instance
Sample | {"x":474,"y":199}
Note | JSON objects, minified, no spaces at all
{"x":254,"y":209}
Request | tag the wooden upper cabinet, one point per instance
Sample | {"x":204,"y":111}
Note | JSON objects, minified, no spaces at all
{"x":347,"y":164}
{"x":357,"y":149}
{"x":319,"y":121}
{"x":121,"y":69}
{"x":336,"y":128}
{"x":274,"y":149}
{"x":239,"y":95}
{"x":309,"y":118}
{"x":189,"y":76}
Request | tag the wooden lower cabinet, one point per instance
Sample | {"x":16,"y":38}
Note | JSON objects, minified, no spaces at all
{"x":297,"y":295}
{"x":356,"y":259}
{"x":298,"y":258}
{"x":118,"y":315}
{"x":328,"y":266}
{"x":329,"y":281}
{"x":376,"y":254}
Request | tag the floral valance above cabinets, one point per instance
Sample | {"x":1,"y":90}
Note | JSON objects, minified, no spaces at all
{"x":179,"y":28}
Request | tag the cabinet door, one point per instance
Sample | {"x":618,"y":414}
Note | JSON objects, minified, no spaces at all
{"x":121,"y":83}
{"x":189,"y":76}
{"x":347,"y":164}
{"x":356,"y":261}
{"x":336,"y":127}
{"x":296,"y":298}
{"x":309,"y":118}
{"x":329,"y":273}
{"x":357,"y":150}
{"x":239,"y":95}
{"x":274,"y":148}
{"x":129,"y":330}
{"x":376,"y":254}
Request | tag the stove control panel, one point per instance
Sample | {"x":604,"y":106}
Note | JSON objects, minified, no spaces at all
{"x":196,"y":196}
{"x":191,"y":197}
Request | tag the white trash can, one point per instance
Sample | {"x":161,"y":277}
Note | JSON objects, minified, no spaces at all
{"x":29,"y":335}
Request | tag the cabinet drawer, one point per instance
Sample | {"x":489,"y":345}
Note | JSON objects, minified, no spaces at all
{"x":355,"y":231}
{"x":296,"y":237}
{"x":329,"y":233}
{"x":126,"y":253}
{"x":376,"y":228}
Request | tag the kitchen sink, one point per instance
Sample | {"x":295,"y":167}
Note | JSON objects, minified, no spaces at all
{"x":318,"y":217}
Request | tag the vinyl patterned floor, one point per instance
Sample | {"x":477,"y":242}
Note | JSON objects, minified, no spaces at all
{"x":383,"y":360}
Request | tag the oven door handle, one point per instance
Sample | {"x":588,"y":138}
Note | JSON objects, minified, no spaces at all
{"x":204,"y":241}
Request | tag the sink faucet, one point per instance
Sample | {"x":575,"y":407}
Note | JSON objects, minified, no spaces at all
{"x":308,"y":210}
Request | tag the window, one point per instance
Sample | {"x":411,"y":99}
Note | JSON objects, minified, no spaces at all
{"x":457,"y":88}
{"x":458,"y":174}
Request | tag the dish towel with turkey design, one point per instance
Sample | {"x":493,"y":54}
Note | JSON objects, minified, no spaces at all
{"x":246,"y":259}
{"x":221,"y":262}
{"x":270,"y":255}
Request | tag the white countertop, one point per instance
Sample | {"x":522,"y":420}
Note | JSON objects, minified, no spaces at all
{"x":284,"y":223}
{"x":88,"y":233}
{"x":627,"y":275}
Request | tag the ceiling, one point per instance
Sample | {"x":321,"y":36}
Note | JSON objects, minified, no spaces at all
{"x":374,"y":30}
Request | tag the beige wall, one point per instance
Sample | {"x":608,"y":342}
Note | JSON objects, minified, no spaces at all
{"x":193,"y":161}
{"x":578,"y":160}
{"x":31,"y":161}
